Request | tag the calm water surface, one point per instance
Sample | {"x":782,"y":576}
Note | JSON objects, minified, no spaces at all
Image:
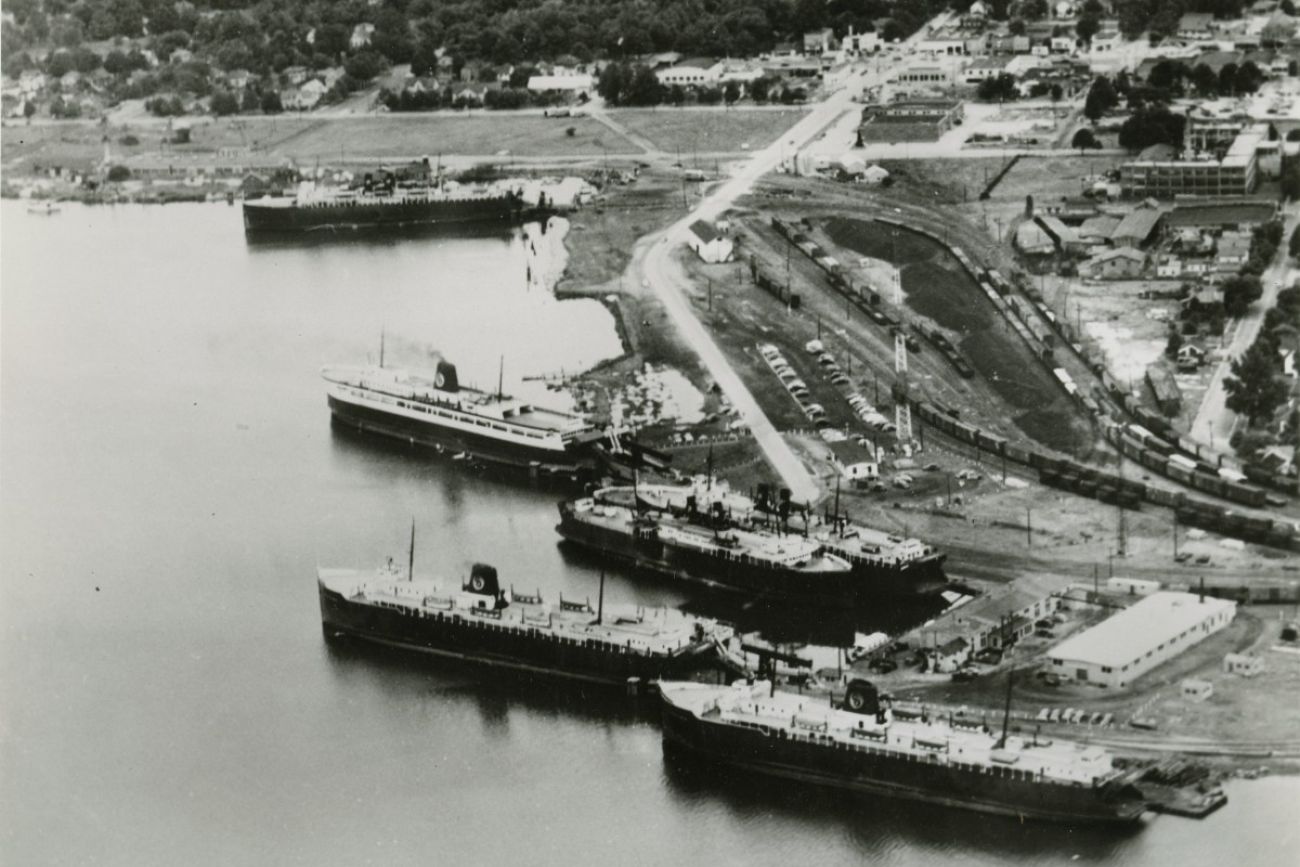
{"x":169,"y":483}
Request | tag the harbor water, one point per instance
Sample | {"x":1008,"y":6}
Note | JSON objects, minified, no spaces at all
{"x":169,"y":481}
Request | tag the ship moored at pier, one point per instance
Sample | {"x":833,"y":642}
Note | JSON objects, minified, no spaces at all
{"x":433,"y":409}
{"x":381,"y":203}
{"x":481,"y":621}
{"x":705,"y":532}
{"x":863,"y":744}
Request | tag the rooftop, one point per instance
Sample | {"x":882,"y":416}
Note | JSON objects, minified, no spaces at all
{"x":1153,"y":621}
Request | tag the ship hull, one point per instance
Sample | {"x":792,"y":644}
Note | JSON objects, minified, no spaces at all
{"x":580,"y":463}
{"x":894,"y":775}
{"x":862,"y":583}
{"x":485,"y":642}
{"x":327,"y":216}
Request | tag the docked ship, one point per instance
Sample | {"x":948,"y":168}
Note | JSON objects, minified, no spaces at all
{"x":486,"y":623}
{"x":381,"y":203}
{"x":434,"y":409}
{"x":864,"y":744}
{"x":705,"y":532}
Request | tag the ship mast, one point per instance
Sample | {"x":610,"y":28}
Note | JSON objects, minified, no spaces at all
{"x":381,"y":346}
{"x":600,"y":600}
{"x":501,"y":376}
{"x":410,"y":557}
{"x":1006,"y":712}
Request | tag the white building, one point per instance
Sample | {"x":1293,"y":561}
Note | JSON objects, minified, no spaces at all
{"x":1243,"y":664}
{"x":708,"y":243}
{"x":576,"y":83}
{"x":689,"y":76}
{"x":1119,"y":650}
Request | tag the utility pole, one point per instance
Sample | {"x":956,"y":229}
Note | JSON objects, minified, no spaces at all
{"x":1029,"y":529}
{"x":710,"y":279}
{"x":1175,"y":534}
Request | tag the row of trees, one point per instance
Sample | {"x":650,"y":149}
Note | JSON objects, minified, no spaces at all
{"x":268,"y":37}
{"x":1256,"y":387}
{"x":1160,"y":17}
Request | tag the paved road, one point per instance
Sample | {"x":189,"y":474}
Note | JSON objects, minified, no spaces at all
{"x":1214,"y":422}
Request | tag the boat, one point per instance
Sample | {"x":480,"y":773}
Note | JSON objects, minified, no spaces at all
{"x":381,"y":202}
{"x":434,"y":409}
{"x":705,"y":532}
{"x":618,"y":645}
{"x":862,"y":743}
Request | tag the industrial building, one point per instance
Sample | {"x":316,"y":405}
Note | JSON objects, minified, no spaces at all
{"x":1234,"y":174}
{"x":1119,"y":650}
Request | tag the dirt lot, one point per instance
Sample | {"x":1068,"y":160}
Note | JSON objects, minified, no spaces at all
{"x":689,"y":130}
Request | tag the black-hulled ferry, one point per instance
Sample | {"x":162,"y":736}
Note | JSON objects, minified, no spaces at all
{"x":486,"y":623}
{"x":863,"y":744}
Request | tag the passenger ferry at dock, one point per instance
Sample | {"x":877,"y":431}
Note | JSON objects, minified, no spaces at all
{"x":617,"y":645}
{"x":436,"y":410}
{"x":862,"y":744}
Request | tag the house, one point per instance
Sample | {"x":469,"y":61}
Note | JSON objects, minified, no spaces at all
{"x":1195,"y":25}
{"x":304,"y":98}
{"x":996,"y":620}
{"x":708,"y":243}
{"x":361,"y":35}
{"x":1243,"y":664}
{"x":818,"y":41}
{"x":1064,"y":237}
{"x":1169,"y":267}
{"x":1122,"y":263}
{"x":950,"y":655}
{"x":982,"y":68}
{"x":253,"y":186}
{"x":31,"y":82}
{"x":861,"y":43}
{"x":1233,"y":248}
{"x":1195,"y":689}
{"x":855,"y":461}
{"x":979,"y":10}
{"x":1097,"y":230}
{"x":1064,"y":9}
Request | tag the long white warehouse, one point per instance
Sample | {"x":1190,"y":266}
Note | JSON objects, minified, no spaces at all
{"x":1120,"y":649}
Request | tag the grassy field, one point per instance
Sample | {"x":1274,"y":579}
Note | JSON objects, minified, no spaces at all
{"x":703,"y":131}
{"x":395,"y":135}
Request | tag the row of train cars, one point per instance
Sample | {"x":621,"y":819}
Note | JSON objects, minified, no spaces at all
{"x":1150,"y":441}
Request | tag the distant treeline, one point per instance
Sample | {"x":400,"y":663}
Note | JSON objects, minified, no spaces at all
{"x":265,"y":36}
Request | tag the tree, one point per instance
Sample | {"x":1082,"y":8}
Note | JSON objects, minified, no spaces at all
{"x":1204,"y":80}
{"x":1248,"y":78}
{"x":1175,"y":343}
{"x":1084,"y":139}
{"x":1087,"y":27}
{"x":224,"y":102}
{"x":1149,"y":126}
{"x":1240,"y":292}
{"x":271,"y":102}
{"x":1228,"y":78}
{"x":117,"y":174}
{"x":1101,"y":99}
{"x":1290,"y":183}
{"x":364,"y":65}
{"x":1017,"y":27}
{"x":731,"y":92}
{"x":1254,"y":389}
{"x":1000,"y":88}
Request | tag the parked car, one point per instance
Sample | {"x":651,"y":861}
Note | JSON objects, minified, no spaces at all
{"x":882,"y":665}
{"x":1051,"y":679}
{"x":964,"y":675}
{"x":1044,"y":633}
{"x":840,"y":379}
{"x":814,"y":347}
{"x":1042,"y":715}
{"x":1096,"y":718}
{"x":1054,"y":715}
{"x":1107,"y":719}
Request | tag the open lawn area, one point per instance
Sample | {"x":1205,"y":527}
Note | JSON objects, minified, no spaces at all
{"x":479,"y":135}
{"x":717,"y":130}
